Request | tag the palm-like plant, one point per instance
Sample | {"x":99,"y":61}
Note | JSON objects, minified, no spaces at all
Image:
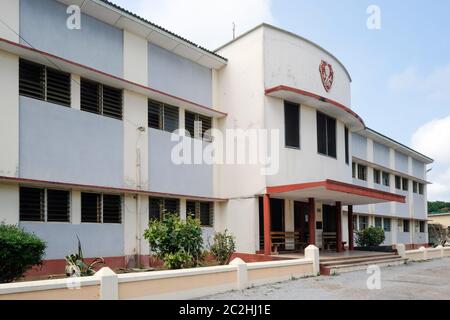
{"x":76,"y":266}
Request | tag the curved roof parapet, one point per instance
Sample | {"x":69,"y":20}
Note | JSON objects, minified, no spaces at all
{"x":291,"y":34}
{"x":331,"y":107}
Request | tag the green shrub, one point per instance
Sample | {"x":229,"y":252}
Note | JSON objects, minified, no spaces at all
{"x":223,"y":247}
{"x":370,"y":237}
{"x":176,"y":242}
{"x":19,"y":251}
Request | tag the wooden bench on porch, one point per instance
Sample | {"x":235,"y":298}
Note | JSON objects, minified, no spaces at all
{"x":329,"y":240}
{"x":287,"y":240}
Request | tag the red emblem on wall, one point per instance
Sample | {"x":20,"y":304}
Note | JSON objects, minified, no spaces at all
{"x":327,"y":75}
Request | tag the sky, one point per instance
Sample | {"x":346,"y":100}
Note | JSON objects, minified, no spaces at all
{"x":400,"y":72}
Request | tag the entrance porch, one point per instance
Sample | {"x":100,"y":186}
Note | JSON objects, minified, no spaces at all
{"x":314,"y":211}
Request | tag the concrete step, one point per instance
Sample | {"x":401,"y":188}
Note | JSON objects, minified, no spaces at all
{"x":362,"y":256}
{"x":358,"y":260}
{"x":336,"y":269}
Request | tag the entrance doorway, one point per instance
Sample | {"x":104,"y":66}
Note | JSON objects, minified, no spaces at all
{"x":301,"y":210}
{"x":329,"y":240}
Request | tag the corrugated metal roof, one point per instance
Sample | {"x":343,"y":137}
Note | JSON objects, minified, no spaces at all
{"x":161,"y":28}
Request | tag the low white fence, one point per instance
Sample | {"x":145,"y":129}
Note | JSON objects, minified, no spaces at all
{"x":174,"y":284}
{"x":423,"y":253}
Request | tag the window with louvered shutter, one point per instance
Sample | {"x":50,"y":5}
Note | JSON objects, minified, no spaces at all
{"x":292,"y":125}
{"x":155,"y":206}
{"x":326,"y":135}
{"x":206,"y":214}
{"x":154,"y":114}
{"x":58,"y":206}
{"x":171,"y":118}
{"x":90,"y":96}
{"x":91,"y":210}
{"x":205,"y":127}
{"x":58,"y":87}
{"x":32,"y":204}
{"x":191,"y":210}
{"x":112,"y":209}
{"x":172,"y":206}
{"x":31,"y":80}
{"x":190,"y":119}
{"x":112,"y":102}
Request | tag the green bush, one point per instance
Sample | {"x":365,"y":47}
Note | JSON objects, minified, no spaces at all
{"x":370,"y":237}
{"x":176,"y":242}
{"x":19,"y":251}
{"x":223,"y":247}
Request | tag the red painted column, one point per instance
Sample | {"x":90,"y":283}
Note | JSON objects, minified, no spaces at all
{"x":339,"y":227}
{"x":351,"y":242}
{"x":312,"y":221}
{"x":267,"y":226}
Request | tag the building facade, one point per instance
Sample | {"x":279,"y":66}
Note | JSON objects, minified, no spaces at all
{"x":86,"y":140}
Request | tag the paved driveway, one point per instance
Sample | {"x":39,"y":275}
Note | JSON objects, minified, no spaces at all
{"x":422,"y":280}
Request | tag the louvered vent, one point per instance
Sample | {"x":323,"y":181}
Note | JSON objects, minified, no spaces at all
{"x":31,"y":80}
{"x":90,"y":96}
{"x":58,"y":87}
{"x":112,"y":209}
{"x":91,"y":208}
{"x":171,"y":116}
{"x":190,"y":124}
{"x":58,"y":206}
{"x":155,"y":206}
{"x":32,"y":204}
{"x":206,"y":126}
{"x":154,"y":114}
{"x":112,"y":102}
{"x":172,"y":206}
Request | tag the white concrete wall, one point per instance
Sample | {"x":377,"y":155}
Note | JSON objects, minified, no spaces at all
{"x":9,"y":14}
{"x":292,"y":61}
{"x":135,"y":56}
{"x":9,"y":118}
{"x":9,"y":203}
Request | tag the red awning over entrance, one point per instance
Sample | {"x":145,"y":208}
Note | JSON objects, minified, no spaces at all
{"x":330,"y":192}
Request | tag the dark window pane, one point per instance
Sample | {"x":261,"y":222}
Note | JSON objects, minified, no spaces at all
{"x":405,"y":183}
{"x":171,"y":118}
{"x":421,"y":188}
{"x":398,"y":182}
{"x":191,"y":209}
{"x":112,"y":209}
{"x":172,"y":206}
{"x":31,"y":204}
{"x":190,"y":119}
{"x":58,"y":206}
{"x":31,"y":79}
{"x":292,"y":124}
{"x":386,"y":178}
{"x":347,"y":150}
{"x":154,"y":114}
{"x":331,"y":137}
{"x":387,"y":225}
{"x":58,"y":87}
{"x":405,"y":226}
{"x":155,"y":206}
{"x":91,"y":208}
{"x":112,"y":102}
{"x":378,"y":222}
{"x":321,"y":133}
{"x":90,"y":96}
{"x":206,"y":214}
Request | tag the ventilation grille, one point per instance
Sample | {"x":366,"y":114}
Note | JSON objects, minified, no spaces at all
{"x":154,"y":114}
{"x":112,"y":102}
{"x":32,"y":204}
{"x":90,"y":96}
{"x":31,"y":80}
{"x":171,"y":115}
{"x":190,"y":119}
{"x":91,"y":208}
{"x":58,"y":208}
{"x":58,"y":87}
{"x":112,"y":209}
{"x":155,"y":205}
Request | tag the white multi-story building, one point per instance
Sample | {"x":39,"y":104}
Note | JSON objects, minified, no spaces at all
{"x":86,"y":123}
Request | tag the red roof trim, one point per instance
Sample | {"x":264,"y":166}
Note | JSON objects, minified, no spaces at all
{"x":104,"y":188}
{"x":332,"y":185}
{"x":109,"y":75}
{"x":317,"y":97}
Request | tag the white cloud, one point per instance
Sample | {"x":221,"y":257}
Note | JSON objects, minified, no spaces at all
{"x":206,"y":22}
{"x":435,"y":85}
{"x":433,"y":139}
